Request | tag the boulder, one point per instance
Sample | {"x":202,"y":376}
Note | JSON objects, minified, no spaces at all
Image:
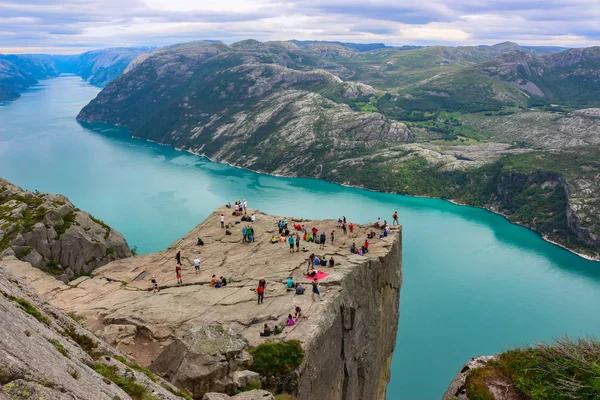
{"x":250,"y":395}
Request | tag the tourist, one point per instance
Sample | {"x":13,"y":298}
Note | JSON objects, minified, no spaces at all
{"x":213,"y":281}
{"x":252,"y":218}
{"x":266,"y":331}
{"x":309,"y":237}
{"x":222,"y":219}
{"x":297,"y":242}
{"x":314,"y":233}
{"x":200,"y":242}
{"x":298,"y":313}
{"x":322,"y":240}
{"x":290,"y":283}
{"x":385,"y":224}
{"x":250,"y":231}
{"x":353,"y":248}
{"x":317,"y":261}
{"x":323,"y":261}
{"x":155,"y":287}
{"x":378,"y":223}
{"x":311,"y":260}
{"x":366,"y":245}
{"x":178,"y":274}
{"x":277,"y":330}
{"x":344,"y":228}
{"x":228,"y":204}
{"x":196,"y":264}
{"x":299,"y":289}
{"x":395,"y":216}
{"x":331,"y":262}
{"x":260,"y":291}
{"x":332,"y":236}
{"x":244,"y":234}
{"x":223,"y":281}
{"x":313,"y":272}
{"x":290,"y":320}
{"x":273,"y":239}
{"x":178,"y":257}
{"x":315,"y":290}
{"x":218,"y":284}
{"x":245,"y":206}
{"x":285,"y":222}
{"x":291,"y":243}
{"x":351,"y":229}
{"x":344,"y":219}
{"x":339,"y":222}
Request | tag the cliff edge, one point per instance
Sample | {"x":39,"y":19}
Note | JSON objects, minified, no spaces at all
{"x":201,"y":338}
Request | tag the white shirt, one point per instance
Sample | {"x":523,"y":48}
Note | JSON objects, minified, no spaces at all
{"x":245,"y":204}
{"x":196,"y":261}
{"x":253,"y":218}
{"x":222,"y":218}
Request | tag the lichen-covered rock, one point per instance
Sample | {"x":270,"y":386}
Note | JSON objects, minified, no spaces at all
{"x":457,"y":389}
{"x":48,"y":232}
{"x":250,"y":395}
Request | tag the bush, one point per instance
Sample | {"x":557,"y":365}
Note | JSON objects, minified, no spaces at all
{"x":138,"y":367}
{"x":31,"y":310}
{"x":61,"y":349}
{"x":280,"y":358}
{"x":129,"y":386}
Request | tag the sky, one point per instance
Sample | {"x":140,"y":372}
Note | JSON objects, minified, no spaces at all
{"x":73,"y":26}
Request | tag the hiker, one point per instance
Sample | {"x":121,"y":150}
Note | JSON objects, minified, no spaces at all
{"x":290,"y":283}
{"x":260,"y":291}
{"x":196,"y":264}
{"x":308,"y":237}
{"x":155,"y":287}
{"x":314,"y":232}
{"x":244,"y":234}
{"x":322,"y":240}
{"x":315,"y":290}
{"x":228,"y":205}
{"x":332,"y":236}
{"x":395,"y":216}
{"x":290,"y":320}
{"x":245,"y":206}
{"x":339,"y":222}
{"x":250,"y":232}
{"x":178,"y":257}
{"x":252,"y":218}
{"x":285,"y":222}
{"x":366,"y":246}
{"x":291,"y":243}
{"x":385,"y":224}
{"x":222,"y":219}
{"x":331,"y":262}
{"x":351,"y":228}
{"x":311,"y":260}
{"x":223,"y":281}
{"x":200,"y":242}
{"x":213,"y":281}
{"x":344,"y":228}
{"x":317,"y":261}
{"x":344,"y":219}
{"x":298,"y":313}
{"x":299,"y":289}
{"x":323,"y":261}
{"x":378,"y":223}
{"x":297,"y":242}
{"x":266,"y":331}
{"x":353,"y":248}
{"x":178,"y":274}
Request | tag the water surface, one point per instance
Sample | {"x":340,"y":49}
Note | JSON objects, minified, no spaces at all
{"x":473,"y":283}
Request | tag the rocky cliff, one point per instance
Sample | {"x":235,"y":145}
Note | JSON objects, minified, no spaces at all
{"x":201,"y":338}
{"x":50,"y":233}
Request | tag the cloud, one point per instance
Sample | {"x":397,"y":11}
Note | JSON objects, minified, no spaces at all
{"x":76,"y":25}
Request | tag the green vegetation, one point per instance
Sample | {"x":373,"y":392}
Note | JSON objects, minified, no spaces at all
{"x":69,"y":220}
{"x":129,"y":386}
{"x":54,"y":268}
{"x":102,"y":224}
{"x":271,"y":359}
{"x":30,"y":309}
{"x":61,"y":349}
{"x":138,"y":367}
{"x":85,"y":342}
{"x":181,"y":392}
{"x":110,"y":251}
{"x":567,"y":369}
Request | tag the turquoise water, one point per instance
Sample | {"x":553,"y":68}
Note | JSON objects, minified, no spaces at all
{"x":473,"y":283}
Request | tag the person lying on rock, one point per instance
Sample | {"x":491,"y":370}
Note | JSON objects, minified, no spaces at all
{"x":313,"y":272}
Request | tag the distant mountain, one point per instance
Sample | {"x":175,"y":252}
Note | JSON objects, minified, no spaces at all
{"x":18,"y":72}
{"x":355,"y":46}
{"x":545,"y":49}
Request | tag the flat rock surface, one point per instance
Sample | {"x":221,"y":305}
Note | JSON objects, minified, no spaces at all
{"x":119,"y":306}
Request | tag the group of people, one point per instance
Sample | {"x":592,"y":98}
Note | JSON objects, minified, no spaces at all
{"x":239,"y":207}
{"x":217,"y":283}
{"x":248,"y":234}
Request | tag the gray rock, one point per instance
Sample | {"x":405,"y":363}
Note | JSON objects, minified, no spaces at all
{"x":244,"y":378}
{"x":250,"y":395}
{"x":457,"y":389}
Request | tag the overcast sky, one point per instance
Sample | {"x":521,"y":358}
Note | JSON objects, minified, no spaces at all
{"x":71,"y":26}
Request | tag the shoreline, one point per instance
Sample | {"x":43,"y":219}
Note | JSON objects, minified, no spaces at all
{"x":542,"y":236}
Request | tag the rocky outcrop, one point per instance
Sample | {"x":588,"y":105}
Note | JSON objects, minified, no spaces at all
{"x":457,"y":389}
{"x":48,"y":232}
{"x":45,"y":354}
{"x":198,"y":336}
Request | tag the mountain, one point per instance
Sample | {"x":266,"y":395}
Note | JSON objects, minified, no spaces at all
{"x":353,"y":46}
{"x":18,"y":72}
{"x":380,"y":120}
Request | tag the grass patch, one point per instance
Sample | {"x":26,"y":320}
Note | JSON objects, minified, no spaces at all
{"x":87,"y":344}
{"x":24,"y":254}
{"x":280,"y":358}
{"x":110,"y":251}
{"x":138,"y":367}
{"x":181,"y":392}
{"x":132,"y":388}
{"x":283,"y":396}
{"x":103,"y":224}
{"x":567,"y":369}
{"x":69,"y":220}
{"x":61,"y":349}
{"x":30,"y":309}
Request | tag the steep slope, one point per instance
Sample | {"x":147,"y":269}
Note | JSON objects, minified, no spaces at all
{"x":47,"y":231}
{"x":18,"y":72}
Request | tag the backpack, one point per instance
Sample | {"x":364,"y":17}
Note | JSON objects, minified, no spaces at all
{"x":260,"y":289}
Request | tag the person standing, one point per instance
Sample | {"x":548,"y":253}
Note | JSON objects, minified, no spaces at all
{"x":395,"y":216}
{"x":332,"y":236}
{"x":155,"y":287}
{"x":197,"y":264}
{"x":245,"y":206}
{"x":322,"y":240}
{"x":178,"y":257}
{"x":297,"y":242}
{"x":344,"y":227}
{"x":311,"y":260}
{"x":178,"y":274}
{"x":260,"y":290}
{"x":315,"y":290}
{"x":291,"y":243}
{"x":351,"y":229}
{"x":244,"y":234}
{"x":222,"y":219}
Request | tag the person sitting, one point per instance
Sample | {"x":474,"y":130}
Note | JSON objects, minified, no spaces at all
{"x":371,"y":235}
{"x":290,"y":283}
{"x":298,"y":313}
{"x":317,"y":261}
{"x":384,"y":234}
{"x":353,"y":248}
{"x":218,"y":285}
{"x":200,"y":242}
{"x":213,"y":281}
{"x":282,"y":239}
{"x":252,"y":218}
{"x":228,"y":204}
{"x":290,"y":320}
{"x":323,"y":261}
{"x":298,"y":227}
{"x":299,"y":289}
{"x":308,"y":237}
{"x":223,"y":281}
{"x":277,"y":330}
{"x":366,"y":246}
{"x":273,"y":239}
{"x":331,"y":262}
{"x":313,"y":272}
{"x":266,"y":331}
{"x":287,"y":232}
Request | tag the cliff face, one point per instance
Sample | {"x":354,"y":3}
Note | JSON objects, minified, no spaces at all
{"x":48,"y":232}
{"x":198,"y":337}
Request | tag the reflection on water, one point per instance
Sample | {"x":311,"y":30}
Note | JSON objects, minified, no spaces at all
{"x":473,"y":283}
